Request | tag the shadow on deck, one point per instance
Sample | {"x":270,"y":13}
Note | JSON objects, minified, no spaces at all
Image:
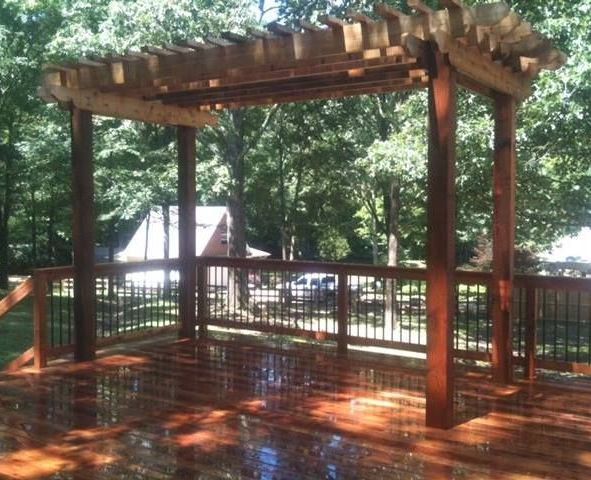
{"x":256,"y":409}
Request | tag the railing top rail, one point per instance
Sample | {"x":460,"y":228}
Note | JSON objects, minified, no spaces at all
{"x":554,"y":283}
{"x":463,"y":276}
{"x":56,"y":273}
{"x":311,"y":267}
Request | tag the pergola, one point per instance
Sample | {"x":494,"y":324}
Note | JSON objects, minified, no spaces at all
{"x":487,"y":49}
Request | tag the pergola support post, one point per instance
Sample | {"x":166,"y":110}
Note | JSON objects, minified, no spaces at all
{"x":187,"y":201}
{"x":503,"y":236}
{"x":83,"y":236}
{"x":441,"y":261}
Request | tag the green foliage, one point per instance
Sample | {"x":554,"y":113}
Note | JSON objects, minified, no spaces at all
{"x":332,"y":245}
{"x":316,"y":177}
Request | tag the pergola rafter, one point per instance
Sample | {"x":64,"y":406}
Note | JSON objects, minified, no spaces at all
{"x":486,"y":48}
{"x":489,"y":45}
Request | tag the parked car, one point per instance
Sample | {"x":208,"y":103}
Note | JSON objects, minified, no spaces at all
{"x":310,"y":286}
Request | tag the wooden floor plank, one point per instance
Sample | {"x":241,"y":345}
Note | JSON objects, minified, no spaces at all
{"x":248,"y":410}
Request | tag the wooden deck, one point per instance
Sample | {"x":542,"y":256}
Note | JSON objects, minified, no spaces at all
{"x":251,"y":409}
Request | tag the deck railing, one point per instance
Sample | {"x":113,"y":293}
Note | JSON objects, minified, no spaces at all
{"x":349,"y":304}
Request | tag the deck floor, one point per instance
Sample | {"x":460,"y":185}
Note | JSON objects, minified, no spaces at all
{"x":246,"y":410}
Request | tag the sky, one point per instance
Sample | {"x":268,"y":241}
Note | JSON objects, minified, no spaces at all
{"x":574,"y":249}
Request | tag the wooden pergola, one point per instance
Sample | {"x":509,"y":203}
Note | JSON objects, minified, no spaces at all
{"x":487,"y":49}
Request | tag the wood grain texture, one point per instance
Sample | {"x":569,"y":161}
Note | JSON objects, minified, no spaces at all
{"x":40,"y":321}
{"x":441,"y":254}
{"x":489,"y":44}
{"x":504,"y":190}
{"x":187,"y":195}
{"x":16,"y":296}
{"x":83,"y":234}
{"x":118,"y":106}
{"x":251,"y":410}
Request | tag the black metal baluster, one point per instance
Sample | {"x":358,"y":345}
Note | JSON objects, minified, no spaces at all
{"x":555,"y":324}
{"x":51,"y":314}
{"x":578,"y":326}
{"x":566,"y":322}
{"x":69,"y":283}
{"x":544,"y":315}
{"x":61,"y":312}
{"x":420,"y":308}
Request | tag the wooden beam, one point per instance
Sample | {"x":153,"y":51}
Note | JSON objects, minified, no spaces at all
{"x":531,"y":329}
{"x":344,"y":63}
{"x":342,"y":313}
{"x":419,"y":6}
{"x":117,"y":106}
{"x":452,"y":4}
{"x":279,"y":29}
{"x":21,"y":361}
{"x":308,"y":26}
{"x":235,"y":37}
{"x":332,"y":21}
{"x":187,"y":225}
{"x":297,"y":85}
{"x":16,"y":296}
{"x":388,"y":13}
{"x":83,"y":236}
{"x":484,"y":71}
{"x":393,"y":86}
{"x":40,"y":347}
{"x":219,"y":42}
{"x":441,"y":261}
{"x":202,"y":303}
{"x":358,"y":17}
{"x":503,"y":236}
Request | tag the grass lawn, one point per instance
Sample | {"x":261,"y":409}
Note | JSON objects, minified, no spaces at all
{"x":16,"y":331}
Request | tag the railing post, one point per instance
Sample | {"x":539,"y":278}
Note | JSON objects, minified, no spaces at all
{"x":187,"y":226}
{"x":531,"y":326}
{"x":202,"y":300}
{"x":342,"y":313}
{"x":40,"y":320}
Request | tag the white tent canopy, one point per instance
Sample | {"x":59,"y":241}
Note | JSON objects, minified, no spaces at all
{"x":147,"y":242}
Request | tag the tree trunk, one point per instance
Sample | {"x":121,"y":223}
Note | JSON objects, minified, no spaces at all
{"x":292,"y":247}
{"x":235,"y":152}
{"x":285,"y":243}
{"x":147,"y":237}
{"x":34,"y":228}
{"x":50,"y":252}
{"x":375,"y":252}
{"x":4,"y":247}
{"x":393,"y":214}
{"x":166,"y":227}
{"x":6,"y":212}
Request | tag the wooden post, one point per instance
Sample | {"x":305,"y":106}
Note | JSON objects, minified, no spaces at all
{"x":503,"y":237}
{"x":202,"y":300}
{"x":531,"y":326}
{"x":342,"y":313}
{"x":39,"y":320}
{"x":441,"y":262}
{"x":187,"y":203}
{"x":83,"y":236}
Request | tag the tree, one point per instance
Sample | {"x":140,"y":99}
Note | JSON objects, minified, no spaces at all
{"x":24,"y":30}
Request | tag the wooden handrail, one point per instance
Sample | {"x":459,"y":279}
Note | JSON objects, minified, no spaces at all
{"x":553,"y":283}
{"x":16,"y":296}
{"x":57,"y":273}
{"x":310,"y":267}
{"x":462,"y":276}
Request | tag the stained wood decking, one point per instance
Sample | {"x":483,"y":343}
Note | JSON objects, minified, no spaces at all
{"x":249,"y":410}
